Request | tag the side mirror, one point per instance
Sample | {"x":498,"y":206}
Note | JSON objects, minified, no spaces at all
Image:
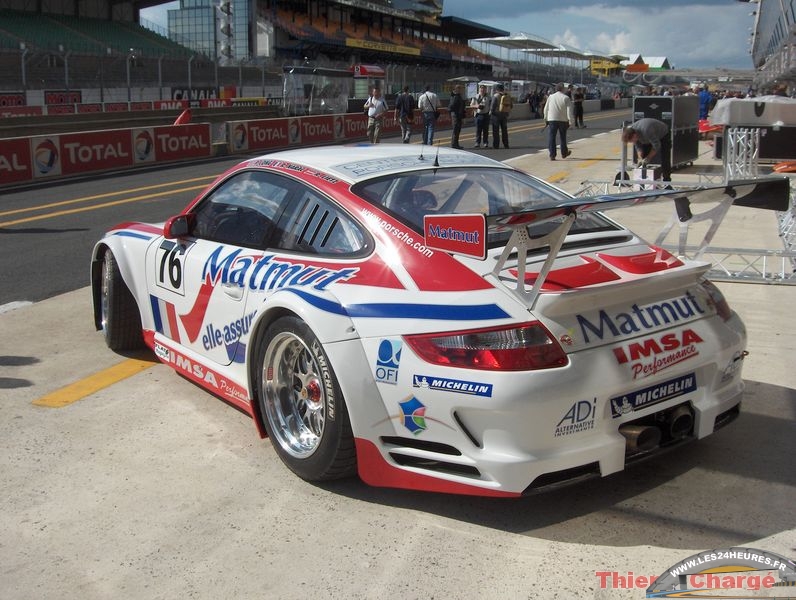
{"x":176,"y":227}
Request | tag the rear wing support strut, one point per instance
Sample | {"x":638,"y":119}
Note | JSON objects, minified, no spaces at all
{"x":521,"y":242}
{"x":682,"y":213}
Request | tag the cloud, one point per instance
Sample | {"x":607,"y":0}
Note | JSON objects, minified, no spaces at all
{"x":511,"y":8}
{"x":708,"y":33}
{"x":568,"y":39}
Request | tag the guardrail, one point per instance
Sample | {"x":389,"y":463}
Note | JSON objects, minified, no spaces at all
{"x":40,"y":158}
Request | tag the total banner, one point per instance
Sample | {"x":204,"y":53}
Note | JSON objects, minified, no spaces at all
{"x":51,"y":156}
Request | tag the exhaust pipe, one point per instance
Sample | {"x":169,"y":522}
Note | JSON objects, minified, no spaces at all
{"x":680,"y":421}
{"x":640,"y":438}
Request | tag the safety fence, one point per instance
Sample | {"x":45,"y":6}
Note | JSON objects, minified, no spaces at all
{"x":49,"y":157}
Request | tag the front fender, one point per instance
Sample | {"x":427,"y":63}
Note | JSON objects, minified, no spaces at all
{"x":129,"y":244}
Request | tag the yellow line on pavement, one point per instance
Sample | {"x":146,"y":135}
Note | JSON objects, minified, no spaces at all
{"x":589,"y":162}
{"x":96,"y":206}
{"x":108,"y":195}
{"x":93,"y":383}
{"x":558,"y":176}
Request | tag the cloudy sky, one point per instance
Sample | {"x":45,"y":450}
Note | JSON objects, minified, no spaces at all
{"x":707,"y":33}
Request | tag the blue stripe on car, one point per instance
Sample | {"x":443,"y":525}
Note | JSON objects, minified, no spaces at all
{"x":133,"y":234}
{"x":153,"y":301}
{"x":394,"y":310}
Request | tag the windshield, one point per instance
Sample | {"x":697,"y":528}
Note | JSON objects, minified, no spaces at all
{"x":410,"y":196}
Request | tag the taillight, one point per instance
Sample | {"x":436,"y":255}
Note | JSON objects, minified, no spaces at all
{"x":517,"y":348}
{"x":717,"y":298}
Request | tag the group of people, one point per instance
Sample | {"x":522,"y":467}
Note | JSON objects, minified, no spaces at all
{"x":562,"y":108}
{"x":490,"y":110}
{"x":405,"y":105}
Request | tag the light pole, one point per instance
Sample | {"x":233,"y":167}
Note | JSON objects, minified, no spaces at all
{"x":190,"y":87}
{"x":240,"y":76}
{"x":130,"y":57}
{"x":24,"y":53}
{"x":65,"y":56}
{"x":160,"y":76}
{"x":108,"y":53}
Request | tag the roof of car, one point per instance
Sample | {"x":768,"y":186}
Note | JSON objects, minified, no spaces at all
{"x":357,"y":162}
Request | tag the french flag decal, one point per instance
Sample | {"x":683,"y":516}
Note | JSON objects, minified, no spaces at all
{"x":165,"y":317}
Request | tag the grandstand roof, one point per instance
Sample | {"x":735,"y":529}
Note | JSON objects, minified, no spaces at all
{"x":462,"y":28}
{"x":598,"y":56}
{"x":519,"y":41}
{"x":560,"y":51}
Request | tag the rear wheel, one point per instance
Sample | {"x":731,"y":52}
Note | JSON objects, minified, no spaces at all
{"x":302,"y":405}
{"x":119,"y":316}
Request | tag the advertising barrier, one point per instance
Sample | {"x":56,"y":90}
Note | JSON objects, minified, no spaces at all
{"x":15,"y":163}
{"x":52,"y":156}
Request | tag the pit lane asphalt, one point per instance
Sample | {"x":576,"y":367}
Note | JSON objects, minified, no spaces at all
{"x":47,"y":229}
{"x":152,"y":488}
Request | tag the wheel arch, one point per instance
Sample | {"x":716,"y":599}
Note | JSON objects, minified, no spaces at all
{"x":278,"y":306}
{"x":97,"y":257}
{"x":122,"y":249}
{"x":258,"y":331}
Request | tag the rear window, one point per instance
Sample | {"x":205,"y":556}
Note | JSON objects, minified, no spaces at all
{"x":411,"y":196}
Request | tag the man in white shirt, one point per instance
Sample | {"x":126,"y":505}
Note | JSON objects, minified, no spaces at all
{"x":376,"y":107}
{"x":557,"y":117}
{"x":428,"y":103}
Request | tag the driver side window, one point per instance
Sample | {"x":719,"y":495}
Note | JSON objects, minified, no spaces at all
{"x":243,"y":210}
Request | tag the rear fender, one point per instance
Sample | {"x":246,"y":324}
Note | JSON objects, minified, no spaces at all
{"x":283,"y":303}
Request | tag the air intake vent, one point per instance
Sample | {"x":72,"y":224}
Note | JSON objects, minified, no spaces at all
{"x":435,"y":465}
{"x":559,"y":478}
{"x":420,"y":445}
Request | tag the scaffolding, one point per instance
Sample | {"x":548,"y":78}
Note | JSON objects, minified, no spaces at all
{"x":752,"y":265}
{"x":741,"y":153}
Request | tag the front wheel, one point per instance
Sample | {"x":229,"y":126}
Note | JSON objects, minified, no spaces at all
{"x":119,"y":316}
{"x":301,"y":403}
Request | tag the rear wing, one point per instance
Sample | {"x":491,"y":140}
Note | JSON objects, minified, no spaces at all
{"x":467,"y":234}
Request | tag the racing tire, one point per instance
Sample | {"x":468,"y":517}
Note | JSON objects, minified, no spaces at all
{"x":301,"y":403}
{"x":119,"y":317}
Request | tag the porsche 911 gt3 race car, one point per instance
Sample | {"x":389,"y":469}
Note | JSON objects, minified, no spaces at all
{"x":432,"y":319}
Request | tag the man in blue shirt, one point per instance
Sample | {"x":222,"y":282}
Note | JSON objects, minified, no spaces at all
{"x":404,"y":113}
{"x":704,"y":102}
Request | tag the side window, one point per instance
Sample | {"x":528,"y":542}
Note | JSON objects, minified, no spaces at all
{"x":243,"y":210}
{"x":314,"y":225}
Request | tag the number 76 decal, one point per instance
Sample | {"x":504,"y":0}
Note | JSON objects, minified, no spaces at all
{"x":169,"y":262}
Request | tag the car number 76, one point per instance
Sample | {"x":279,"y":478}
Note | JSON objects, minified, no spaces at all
{"x":169,"y":260}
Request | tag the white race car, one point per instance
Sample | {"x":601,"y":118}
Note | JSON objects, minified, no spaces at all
{"x":431,"y":319}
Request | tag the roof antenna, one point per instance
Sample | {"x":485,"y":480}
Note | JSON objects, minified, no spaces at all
{"x":421,"y":157}
{"x":436,"y":158}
